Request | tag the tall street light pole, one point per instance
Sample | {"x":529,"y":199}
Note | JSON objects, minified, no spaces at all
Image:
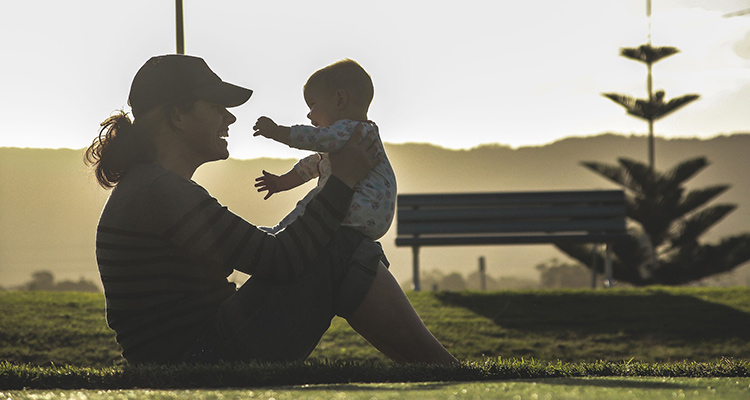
{"x":179,"y":27}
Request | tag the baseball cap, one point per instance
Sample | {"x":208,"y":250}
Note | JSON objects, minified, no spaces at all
{"x":174,"y":77}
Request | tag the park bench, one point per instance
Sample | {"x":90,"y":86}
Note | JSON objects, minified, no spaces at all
{"x":548,"y":217}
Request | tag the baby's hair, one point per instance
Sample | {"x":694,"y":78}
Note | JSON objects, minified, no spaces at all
{"x":348,"y":75}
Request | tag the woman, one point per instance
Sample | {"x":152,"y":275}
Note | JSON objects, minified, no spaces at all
{"x":165,"y":247}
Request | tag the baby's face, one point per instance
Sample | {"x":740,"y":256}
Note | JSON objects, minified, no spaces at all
{"x":322,"y":107}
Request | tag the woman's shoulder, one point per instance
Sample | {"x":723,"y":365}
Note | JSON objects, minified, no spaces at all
{"x":145,"y":172}
{"x":151,"y":196}
{"x":151,"y":177}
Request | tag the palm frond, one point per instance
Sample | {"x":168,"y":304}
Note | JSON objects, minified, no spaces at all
{"x":648,"y":54}
{"x":700,"y":261}
{"x":645,"y":177}
{"x":685,"y":170}
{"x":659,"y":111}
{"x":651,"y":110}
{"x":699,"y":197}
{"x":633,"y":106}
{"x":628,"y":102}
{"x":699,"y":223}
{"x":614,"y":173}
{"x":735,"y":250}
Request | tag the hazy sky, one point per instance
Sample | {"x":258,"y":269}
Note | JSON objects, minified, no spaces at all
{"x":457,"y":74}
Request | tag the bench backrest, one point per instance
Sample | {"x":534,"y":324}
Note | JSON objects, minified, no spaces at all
{"x":510,"y":217}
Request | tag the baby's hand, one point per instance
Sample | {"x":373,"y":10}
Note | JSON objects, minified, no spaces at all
{"x":265,"y":126}
{"x":268,"y":182}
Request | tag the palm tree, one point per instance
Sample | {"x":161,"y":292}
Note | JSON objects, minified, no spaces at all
{"x":655,"y":107}
{"x":666,"y":222}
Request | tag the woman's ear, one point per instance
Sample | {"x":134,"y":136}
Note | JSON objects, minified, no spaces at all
{"x":176,"y":118}
{"x":341,"y":98}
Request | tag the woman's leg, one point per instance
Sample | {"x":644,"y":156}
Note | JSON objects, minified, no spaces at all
{"x":388,"y":321}
{"x":284,"y":321}
{"x":274,"y":321}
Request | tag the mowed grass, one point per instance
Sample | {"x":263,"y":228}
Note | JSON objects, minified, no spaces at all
{"x":41,"y":328}
{"x":60,"y":340}
{"x":612,"y":388}
{"x":646,"y":325}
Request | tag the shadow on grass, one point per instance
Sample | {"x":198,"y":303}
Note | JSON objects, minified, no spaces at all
{"x":655,"y":314}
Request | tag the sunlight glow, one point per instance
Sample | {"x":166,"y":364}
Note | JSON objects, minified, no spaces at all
{"x":528,"y":73}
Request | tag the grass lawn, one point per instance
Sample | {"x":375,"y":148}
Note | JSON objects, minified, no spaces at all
{"x":649,"y":325}
{"x":623,"y":337}
{"x":614,"y":388}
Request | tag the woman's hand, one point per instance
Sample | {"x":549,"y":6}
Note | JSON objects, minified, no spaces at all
{"x":358,"y":156}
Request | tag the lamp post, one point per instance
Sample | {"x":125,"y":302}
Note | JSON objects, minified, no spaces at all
{"x":179,"y":27}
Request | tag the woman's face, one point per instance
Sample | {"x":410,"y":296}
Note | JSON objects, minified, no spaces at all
{"x":205,"y":129}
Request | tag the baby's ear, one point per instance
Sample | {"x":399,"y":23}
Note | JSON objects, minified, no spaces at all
{"x":342,"y":98}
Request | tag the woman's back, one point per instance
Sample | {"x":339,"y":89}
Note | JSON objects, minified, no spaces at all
{"x":158,"y":296}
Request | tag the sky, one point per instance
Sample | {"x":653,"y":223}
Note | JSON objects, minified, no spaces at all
{"x":455,"y":74}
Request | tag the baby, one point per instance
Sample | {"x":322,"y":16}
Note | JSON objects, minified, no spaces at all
{"x":338,"y":96}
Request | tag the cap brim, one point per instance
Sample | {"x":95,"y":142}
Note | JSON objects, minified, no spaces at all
{"x":226,"y":94}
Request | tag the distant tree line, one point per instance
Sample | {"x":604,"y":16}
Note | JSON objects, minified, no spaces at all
{"x":45,"y":281}
{"x":553,"y":274}
{"x":435,"y":280}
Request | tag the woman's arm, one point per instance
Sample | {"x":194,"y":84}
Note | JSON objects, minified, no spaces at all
{"x":210,"y":232}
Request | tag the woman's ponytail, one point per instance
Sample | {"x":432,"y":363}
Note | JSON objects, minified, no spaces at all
{"x":119,"y":146}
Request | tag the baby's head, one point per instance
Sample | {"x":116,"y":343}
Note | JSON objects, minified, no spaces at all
{"x":342,"y":90}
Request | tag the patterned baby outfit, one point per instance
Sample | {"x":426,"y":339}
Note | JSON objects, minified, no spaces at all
{"x":374,"y":202}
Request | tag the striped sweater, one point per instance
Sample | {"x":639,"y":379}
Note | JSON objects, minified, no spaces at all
{"x":165,"y":248}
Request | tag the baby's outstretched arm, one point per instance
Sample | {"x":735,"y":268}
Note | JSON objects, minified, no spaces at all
{"x":265,"y":126}
{"x":275,"y":183}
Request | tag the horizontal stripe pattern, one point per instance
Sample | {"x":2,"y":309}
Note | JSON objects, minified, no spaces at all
{"x":165,"y":248}
{"x":211,"y":232}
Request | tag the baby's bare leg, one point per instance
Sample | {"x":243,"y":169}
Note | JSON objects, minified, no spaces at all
{"x":388,"y":321}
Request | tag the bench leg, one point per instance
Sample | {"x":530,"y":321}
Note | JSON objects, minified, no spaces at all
{"x":415,"y":268}
{"x":593,"y":265}
{"x":609,"y":282}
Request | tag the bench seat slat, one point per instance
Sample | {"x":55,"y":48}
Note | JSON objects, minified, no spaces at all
{"x":552,"y":197}
{"x":541,"y":226}
{"x":500,"y":239}
{"x":508,"y":213}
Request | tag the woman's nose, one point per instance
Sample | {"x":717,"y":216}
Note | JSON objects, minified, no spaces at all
{"x":308,"y":116}
{"x":230,"y":117}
